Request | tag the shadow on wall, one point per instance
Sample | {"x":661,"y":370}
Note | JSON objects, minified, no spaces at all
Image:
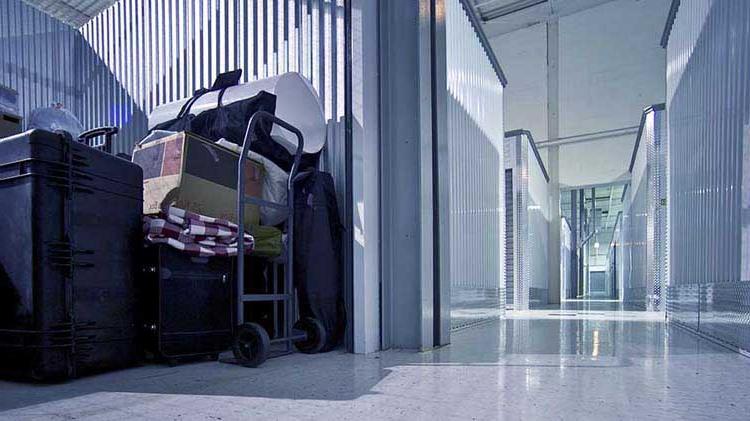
{"x":47,"y":62}
{"x":475,"y":220}
{"x":36,"y":57}
{"x":104,"y":101}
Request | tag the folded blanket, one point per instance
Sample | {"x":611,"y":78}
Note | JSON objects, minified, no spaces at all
{"x":198,"y":235}
{"x":196,"y":224}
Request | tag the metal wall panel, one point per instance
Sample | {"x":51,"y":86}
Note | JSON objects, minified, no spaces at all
{"x":36,"y":57}
{"x":510,"y":216}
{"x":139,"y":54}
{"x":708,"y":105}
{"x":539,"y":210}
{"x":618,"y":262}
{"x":530,"y":205}
{"x":646,"y":215}
{"x":475,"y":133}
{"x":144,"y":53}
{"x":566,"y":255}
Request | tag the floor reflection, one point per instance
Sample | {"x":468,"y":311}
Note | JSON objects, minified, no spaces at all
{"x":581,"y":361}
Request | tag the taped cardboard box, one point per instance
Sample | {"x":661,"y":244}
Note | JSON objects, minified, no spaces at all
{"x":198,"y":175}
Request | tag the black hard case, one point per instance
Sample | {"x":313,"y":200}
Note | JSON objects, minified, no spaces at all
{"x":70,"y":235}
{"x":188,"y":303}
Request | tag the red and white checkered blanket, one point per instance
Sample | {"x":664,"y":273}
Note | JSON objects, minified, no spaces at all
{"x":195,"y":234}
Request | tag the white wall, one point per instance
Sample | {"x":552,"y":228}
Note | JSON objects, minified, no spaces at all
{"x":611,"y":67}
{"x":523,"y":56}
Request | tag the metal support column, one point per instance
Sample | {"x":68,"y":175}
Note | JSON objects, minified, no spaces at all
{"x":553,"y":156}
{"x":411,"y":89}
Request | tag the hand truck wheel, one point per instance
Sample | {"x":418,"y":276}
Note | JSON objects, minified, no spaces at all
{"x":251,"y":345}
{"x":316,"y":336}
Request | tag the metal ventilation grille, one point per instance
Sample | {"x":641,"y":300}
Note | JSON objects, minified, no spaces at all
{"x":73,"y":12}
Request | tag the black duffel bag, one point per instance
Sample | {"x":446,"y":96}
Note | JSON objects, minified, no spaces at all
{"x":229,"y":121}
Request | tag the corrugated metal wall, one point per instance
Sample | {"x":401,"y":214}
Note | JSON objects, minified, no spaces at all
{"x":566,"y":256}
{"x":475,"y":132}
{"x":617,"y":263}
{"x":531,"y":223}
{"x":516,"y":160}
{"x":538,"y":208}
{"x":625,"y":257}
{"x":510,"y":217}
{"x":37,"y":57}
{"x":656,"y":130}
{"x":708,"y":106}
{"x":144,"y":53}
{"x":646,"y":212}
{"x":139,"y":54}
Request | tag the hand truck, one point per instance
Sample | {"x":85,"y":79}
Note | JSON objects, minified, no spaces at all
{"x":251,"y":342}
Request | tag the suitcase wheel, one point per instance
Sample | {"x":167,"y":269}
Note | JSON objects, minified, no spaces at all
{"x":251,"y":345}
{"x":316,"y":336}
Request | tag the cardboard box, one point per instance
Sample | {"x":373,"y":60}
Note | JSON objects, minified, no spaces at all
{"x":198,"y":175}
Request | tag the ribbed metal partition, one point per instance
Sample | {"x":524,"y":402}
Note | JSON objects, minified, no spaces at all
{"x":138,"y":54}
{"x":646,"y":215}
{"x":159,"y":51}
{"x":475,"y":133}
{"x":566,"y":254}
{"x":530,"y":206}
{"x":509,"y":221}
{"x":655,"y":133}
{"x":708,"y":106}
{"x":37,"y":57}
{"x":619,"y":261}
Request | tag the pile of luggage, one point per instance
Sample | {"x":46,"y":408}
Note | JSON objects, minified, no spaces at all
{"x":106,"y":260}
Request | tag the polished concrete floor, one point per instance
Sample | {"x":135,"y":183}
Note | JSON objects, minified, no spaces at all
{"x":583,"y":362}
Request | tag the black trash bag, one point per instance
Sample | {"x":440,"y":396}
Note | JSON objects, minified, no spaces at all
{"x":317,"y":254}
{"x":279,"y":155}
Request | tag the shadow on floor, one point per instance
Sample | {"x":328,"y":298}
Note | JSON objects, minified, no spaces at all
{"x":547,"y":344}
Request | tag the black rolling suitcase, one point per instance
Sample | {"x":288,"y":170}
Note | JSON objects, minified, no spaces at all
{"x":70,"y":230}
{"x":187,"y":304}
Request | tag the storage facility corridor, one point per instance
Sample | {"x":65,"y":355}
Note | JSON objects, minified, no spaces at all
{"x":374,"y":209}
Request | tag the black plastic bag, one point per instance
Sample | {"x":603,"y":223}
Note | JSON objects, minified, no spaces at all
{"x":225,"y":121}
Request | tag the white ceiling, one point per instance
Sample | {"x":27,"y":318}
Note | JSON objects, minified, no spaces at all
{"x":503,"y":16}
{"x":73,"y":12}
